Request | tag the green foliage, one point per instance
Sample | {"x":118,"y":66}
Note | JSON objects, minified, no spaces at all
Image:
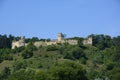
{"x":73,"y":53}
{"x":51,"y":48}
{"x":5,"y":73}
{"x":102,"y":41}
{"x":68,"y":55}
{"x":31,"y":47}
{"x":5,"y":54}
{"x":61,"y":61}
{"x":80,"y":42}
{"x":28,"y":52}
{"x":33,"y":39}
{"x":110,"y":66}
{"x":5,"y":42}
{"x":77,"y":52}
{"x":18,"y":49}
{"x":115,"y":74}
{"x":22,"y":75}
{"x":19,"y":65}
{"x":68,"y":71}
{"x":83,"y":60}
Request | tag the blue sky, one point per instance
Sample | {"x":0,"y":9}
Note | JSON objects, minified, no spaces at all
{"x":46,"y":18}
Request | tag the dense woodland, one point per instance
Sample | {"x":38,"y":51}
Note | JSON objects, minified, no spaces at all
{"x":101,"y":61}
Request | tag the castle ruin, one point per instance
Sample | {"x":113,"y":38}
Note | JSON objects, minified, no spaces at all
{"x":88,"y":41}
{"x":60,"y":39}
{"x":19,"y":43}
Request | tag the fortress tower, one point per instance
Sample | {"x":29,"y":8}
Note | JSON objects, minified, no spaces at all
{"x":60,"y":37}
{"x":22,"y":38}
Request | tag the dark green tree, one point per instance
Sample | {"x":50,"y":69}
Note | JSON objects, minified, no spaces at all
{"x":5,"y":73}
{"x":68,"y":71}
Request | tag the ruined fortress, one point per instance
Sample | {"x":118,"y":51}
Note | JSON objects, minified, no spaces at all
{"x":60,"y":40}
{"x":19,"y":43}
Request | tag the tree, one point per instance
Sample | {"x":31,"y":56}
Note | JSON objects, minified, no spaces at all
{"x":51,"y":48}
{"x":101,"y":41}
{"x":27,"y":53}
{"x":73,"y":53}
{"x":115,"y":74}
{"x":31,"y":47}
{"x":77,"y":53}
{"x":5,"y":73}
{"x":19,"y":65}
{"x":6,"y":42}
{"x":68,"y":71}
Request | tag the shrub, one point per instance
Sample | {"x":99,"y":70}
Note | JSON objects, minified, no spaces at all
{"x":19,"y":65}
{"x":31,"y":47}
{"x":5,"y":73}
{"x":68,"y":71}
{"x":83,"y":60}
{"x":18,"y":49}
{"x":27,"y":54}
{"x":110,"y":66}
{"x":51,"y":48}
{"x":73,"y":53}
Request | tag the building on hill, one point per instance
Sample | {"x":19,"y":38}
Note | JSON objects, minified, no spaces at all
{"x":60,"y":39}
{"x":40,"y":43}
{"x":52,"y":42}
{"x":72,"y":42}
{"x":88,"y":41}
{"x":19,"y":43}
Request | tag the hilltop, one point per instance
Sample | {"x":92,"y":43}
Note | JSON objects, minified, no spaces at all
{"x":62,"y":61}
{"x":61,"y":40}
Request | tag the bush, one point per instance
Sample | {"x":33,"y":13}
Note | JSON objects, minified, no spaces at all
{"x":1,"y":60}
{"x":114,"y":74}
{"x":18,"y":49}
{"x":5,"y":54}
{"x":110,"y":66}
{"x":83,"y":60}
{"x":68,"y":55}
{"x":19,"y":65}
{"x":27,"y":54}
{"x":68,"y":71}
{"x":31,"y":47}
{"x":51,"y":48}
{"x":77,"y":52}
{"x":73,"y":53}
{"x":5,"y":73}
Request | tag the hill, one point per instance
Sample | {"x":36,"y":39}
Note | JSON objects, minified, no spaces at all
{"x":63,"y":61}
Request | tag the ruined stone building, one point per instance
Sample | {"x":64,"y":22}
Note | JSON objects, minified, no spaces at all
{"x":88,"y":41}
{"x":60,"y":39}
{"x":19,"y":43}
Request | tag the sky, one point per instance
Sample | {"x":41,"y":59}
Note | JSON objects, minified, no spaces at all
{"x":47,"y":18}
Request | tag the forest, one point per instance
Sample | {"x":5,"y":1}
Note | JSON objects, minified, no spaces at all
{"x":100,"y":61}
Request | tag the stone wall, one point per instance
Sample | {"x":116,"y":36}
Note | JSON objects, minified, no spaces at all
{"x":72,"y":42}
{"x":19,"y":43}
{"x":88,"y":41}
{"x":61,"y":40}
{"x":40,"y":43}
